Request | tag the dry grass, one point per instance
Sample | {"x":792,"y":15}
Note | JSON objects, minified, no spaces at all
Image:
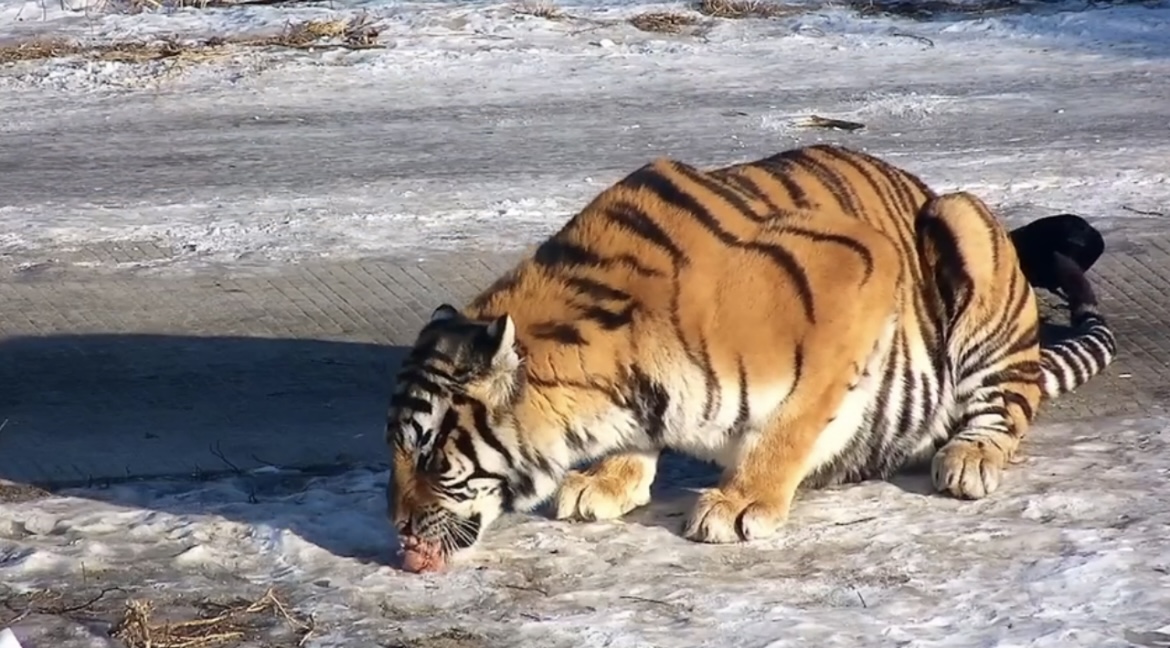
{"x":663,"y":22}
{"x":16,"y":493}
{"x":358,"y":32}
{"x":540,"y":9}
{"x":136,"y":626}
{"x":41,"y":48}
{"x":747,"y":8}
{"x":354,"y":33}
{"x":143,"y":6}
{"x":221,"y":624}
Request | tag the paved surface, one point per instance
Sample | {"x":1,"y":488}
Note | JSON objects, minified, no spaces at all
{"x":128,"y":376}
{"x":105,"y":375}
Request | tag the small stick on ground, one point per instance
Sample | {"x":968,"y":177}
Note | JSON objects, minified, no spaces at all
{"x":527,"y":588}
{"x":1141,"y":212}
{"x":921,"y":39}
{"x":48,"y":602}
{"x":643,"y":599}
{"x":215,"y":450}
{"x":816,"y":121}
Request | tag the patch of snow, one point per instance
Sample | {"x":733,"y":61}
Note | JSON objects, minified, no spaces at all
{"x":478,"y":127}
{"x":1071,"y":551}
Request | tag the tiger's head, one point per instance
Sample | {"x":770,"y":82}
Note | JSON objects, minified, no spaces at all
{"x":449,"y":428}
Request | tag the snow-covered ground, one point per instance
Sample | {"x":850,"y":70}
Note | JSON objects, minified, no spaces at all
{"x":1073,"y":551}
{"x":476,"y":126}
{"x":479,"y":127}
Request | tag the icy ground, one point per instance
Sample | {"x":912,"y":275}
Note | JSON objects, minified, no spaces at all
{"x":1071,"y":552}
{"x":478,"y":128}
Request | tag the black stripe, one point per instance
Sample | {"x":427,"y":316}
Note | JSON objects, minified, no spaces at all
{"x":483,"y":427}
{"x":650,"y":401}
{"x":899,"y":213}
{"x":727,"y":195}
{"x":884,"y":408}
{"x":558,"y":253}
{"x":832,"y":181}
{"x":745,"y":408}
{"x":795,"y":271}
{"x":838,"y":239}
{"x":777,"y":167}
{"x":849,"y":158}
{"x":554,"y":253}
{"x":909,"y":389}
{"x":648,"y":179}
{"x":578,"y":441}
{"x":711,"y":382}
{"x":640,"y":223}
{"x":607,"y":319}
{"x":1019,"y":401}
{"x":797,"y":367}
{"x":559,"y":332}
{"x":949,"y":268}
{"x":417,"y":379}
{"x":748,"y":186}
{"x":408,"y":402}
{"x":596,"y":289}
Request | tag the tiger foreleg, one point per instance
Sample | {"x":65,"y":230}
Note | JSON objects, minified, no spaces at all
{"x":608,"y":489}
{"x":753,"y":501}
{"x":857,"y":290}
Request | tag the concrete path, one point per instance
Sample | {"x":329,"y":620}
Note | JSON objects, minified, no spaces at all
{"x":110,"y":377}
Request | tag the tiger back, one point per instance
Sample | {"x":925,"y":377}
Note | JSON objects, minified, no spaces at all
{"x":814,"y":317}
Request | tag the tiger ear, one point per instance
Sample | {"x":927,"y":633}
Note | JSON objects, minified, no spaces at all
{"x":501,"y":334}
{"x":444,"y":312}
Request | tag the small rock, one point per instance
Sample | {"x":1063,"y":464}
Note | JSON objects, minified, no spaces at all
{"x":40,"y":524}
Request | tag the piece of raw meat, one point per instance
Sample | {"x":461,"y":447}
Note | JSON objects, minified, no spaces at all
{"x":419,"y":556}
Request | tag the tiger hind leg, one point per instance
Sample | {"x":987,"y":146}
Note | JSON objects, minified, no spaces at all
{"x":974,"y":267}
{"x":610,"y":488}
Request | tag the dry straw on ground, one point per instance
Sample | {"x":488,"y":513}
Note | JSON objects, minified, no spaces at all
{"x":540,"y":9}
{"x":137,"y":629}
{"x":354,"y":33}
{"x":664,"y":22}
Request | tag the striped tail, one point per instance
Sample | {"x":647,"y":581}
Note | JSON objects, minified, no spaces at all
{"x":1073,"y":361}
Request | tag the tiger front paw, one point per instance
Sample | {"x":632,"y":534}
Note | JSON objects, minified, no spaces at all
{"x":722,"y":516}
{"x":585,"y":496}
{"x":968,"y":469}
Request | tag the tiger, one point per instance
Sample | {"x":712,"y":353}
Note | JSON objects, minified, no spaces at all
{"x":812,"y":318}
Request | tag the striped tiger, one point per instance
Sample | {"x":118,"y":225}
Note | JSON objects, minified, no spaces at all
{"x":811,"y":318}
